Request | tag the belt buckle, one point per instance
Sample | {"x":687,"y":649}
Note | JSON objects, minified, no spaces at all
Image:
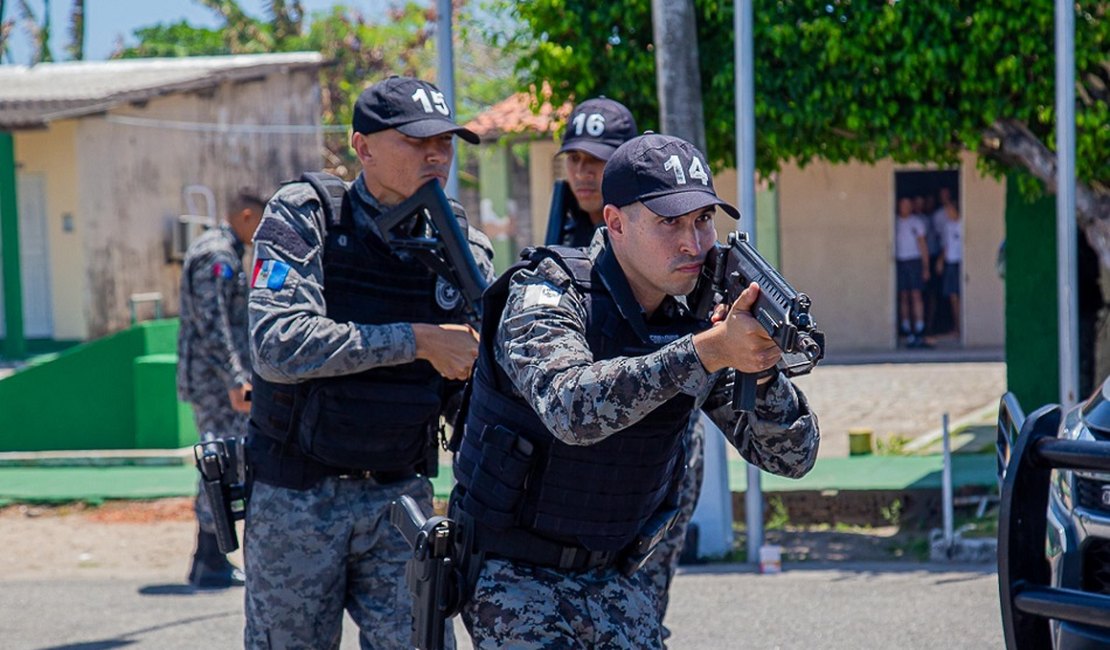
{"x":361,"y":474}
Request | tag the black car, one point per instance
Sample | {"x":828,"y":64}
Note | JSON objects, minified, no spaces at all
{"x":1070,"y":451}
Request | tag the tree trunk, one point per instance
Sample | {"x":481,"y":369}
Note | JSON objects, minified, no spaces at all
{"x":1013,"y":144}
{"x":678,"y":79}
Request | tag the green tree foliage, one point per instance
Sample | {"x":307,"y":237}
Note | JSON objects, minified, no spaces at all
{"x":6,"y":25}
{"x":38,"y":31}
{"x":76,"y":47}
{"x":173,"y":40}
{"x":841,"y":80}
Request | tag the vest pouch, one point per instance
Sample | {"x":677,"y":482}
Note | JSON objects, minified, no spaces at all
{"x":500,"y":478}
{"x":367,"y":425}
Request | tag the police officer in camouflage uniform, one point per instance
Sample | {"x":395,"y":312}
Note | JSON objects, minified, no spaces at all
{"x":587,"y":375}
{"x":213,"y":369}
{"x":352,"y":343}
{"x":595,"y":129}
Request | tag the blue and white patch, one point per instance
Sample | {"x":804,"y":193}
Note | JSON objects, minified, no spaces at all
{"x":541,"y":295}
{"x":269,"y":274}
{"x":447,"y":296}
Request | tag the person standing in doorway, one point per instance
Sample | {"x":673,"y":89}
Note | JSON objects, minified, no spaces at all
{"x":912,"y":262}
{"x":951,"y":259}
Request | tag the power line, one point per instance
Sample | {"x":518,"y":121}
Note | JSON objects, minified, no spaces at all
{"x":223,"y":127}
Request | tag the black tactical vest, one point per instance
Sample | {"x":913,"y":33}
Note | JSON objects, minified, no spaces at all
{"x":383,"y":419}
{"x":513,"y":474}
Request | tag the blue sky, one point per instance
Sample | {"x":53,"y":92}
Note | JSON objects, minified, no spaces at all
{"x":107,"y":21}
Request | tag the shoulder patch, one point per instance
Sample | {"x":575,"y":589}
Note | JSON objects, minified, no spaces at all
{"x":269,"y":274}
{"x":541,"y":295}
{"x":275,"y":231}
{"x":222,"y":270}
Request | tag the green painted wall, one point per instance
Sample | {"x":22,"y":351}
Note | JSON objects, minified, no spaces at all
{"x":14,"y":345}
{"x":1032,"y":354}
{"x":117,"y":392}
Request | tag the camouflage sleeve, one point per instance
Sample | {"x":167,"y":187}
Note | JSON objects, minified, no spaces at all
{"x":482,"y":249}
{"x":541,"y":345}
{"x":781,"y":436}
{"x":212,"y":299}
{"x":292,"y":339}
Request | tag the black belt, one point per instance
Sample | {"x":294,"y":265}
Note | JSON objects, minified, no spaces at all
{"x":521,"y":546}
{"x":286,"y":466}
{"x":380,"y":477}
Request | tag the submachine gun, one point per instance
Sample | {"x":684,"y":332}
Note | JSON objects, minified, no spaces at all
{"x":780,"y":309}
{"x":432,"y":575}
{"x":223,"y":479}
{"x":436,"y":238}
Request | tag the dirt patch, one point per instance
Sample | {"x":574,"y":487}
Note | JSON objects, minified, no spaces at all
{"x":124,"y":539}
{"x":121,"y":539}
{"x":143,"y":512}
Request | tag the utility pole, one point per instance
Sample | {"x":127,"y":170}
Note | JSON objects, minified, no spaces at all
{"x":745,"y":192}
{"x":445,"y":79}
{"x":678,"y":83}
{"x":1066,"y":264}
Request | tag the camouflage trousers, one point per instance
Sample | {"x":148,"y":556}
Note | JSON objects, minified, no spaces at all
{"x":310,"y":554}
{"x":522,"y":607}
{"x":660,"y":568}
{"x":214,"y":418}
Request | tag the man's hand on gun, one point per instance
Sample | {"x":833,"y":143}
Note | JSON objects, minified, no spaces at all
{"x":737,"y":340}
{"x":240,"y":398}
{"x":451,"y":349}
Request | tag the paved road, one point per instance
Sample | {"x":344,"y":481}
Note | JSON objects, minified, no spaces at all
{"x":850,"y":606}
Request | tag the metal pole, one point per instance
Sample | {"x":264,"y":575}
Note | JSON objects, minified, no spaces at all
{"x":745,"y":192}
{"x":745,"y":117}
{"x":946,"y":487}
{"x":1066,"y":273}
{"x":445,"y":77}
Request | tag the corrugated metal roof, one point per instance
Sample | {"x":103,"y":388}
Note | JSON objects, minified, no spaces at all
{"x":30,"y":97}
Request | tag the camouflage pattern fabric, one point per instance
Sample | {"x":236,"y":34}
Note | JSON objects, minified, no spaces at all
{"x":311,"y":554}
{"x":660,"y":568}
{"x":526,"y":608}
{"x":212,"y":352}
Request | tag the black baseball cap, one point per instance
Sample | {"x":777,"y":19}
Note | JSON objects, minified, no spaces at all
{"x":413,"y":107}
{"x":598,"y":126}
{"x":665,"y":173}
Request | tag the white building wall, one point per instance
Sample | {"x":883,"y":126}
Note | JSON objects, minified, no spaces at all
{"x":131,"y":177}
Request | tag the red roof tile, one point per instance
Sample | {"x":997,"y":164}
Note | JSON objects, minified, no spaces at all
{"x":514,"y":116}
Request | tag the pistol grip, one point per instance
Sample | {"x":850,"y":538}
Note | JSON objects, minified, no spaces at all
{"x":743,"y":391}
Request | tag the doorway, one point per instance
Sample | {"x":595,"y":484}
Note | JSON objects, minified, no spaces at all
{"x":34,"y":257}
